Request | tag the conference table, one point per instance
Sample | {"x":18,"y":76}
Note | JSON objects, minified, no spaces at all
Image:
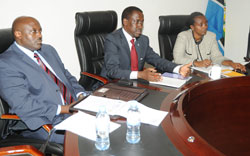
{"x":193,"y":125}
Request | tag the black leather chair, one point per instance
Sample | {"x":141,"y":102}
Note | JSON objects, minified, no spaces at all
{"x":247,"y":58}
{"x":170,"y":27}
{"x":21,"y":150}
{"x":11,"y":138}
{"x":90,"y":31}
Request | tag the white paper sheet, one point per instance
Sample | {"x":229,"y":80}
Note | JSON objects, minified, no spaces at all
{"x":206,"y":70}
{"x":119,"y":107}
{"x":172,"y":82}
{"x":151,"y":116}
{"x":83,"y":125}
{"x":203,"y":69}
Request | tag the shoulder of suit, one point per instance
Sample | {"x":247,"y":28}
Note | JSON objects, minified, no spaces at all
{"x":142,"y":38}
{"x":186,"y":34}
{"x":210,"y":34}
{"x":115,"y":34}
{"x":10,"y":51}
{"x":46,"y":47}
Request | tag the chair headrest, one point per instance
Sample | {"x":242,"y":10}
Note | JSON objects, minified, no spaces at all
{"x":6,"y":39}
{"x":172,"y":24}
{"x":95,"y":22}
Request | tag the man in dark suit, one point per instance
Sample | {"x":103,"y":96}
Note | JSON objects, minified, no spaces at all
{"x":117,"y":52}
{"x":29,"y":90}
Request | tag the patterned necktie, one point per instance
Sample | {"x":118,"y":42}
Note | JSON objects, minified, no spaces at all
{"x":66,"y":94}
{"x":134,"y":57}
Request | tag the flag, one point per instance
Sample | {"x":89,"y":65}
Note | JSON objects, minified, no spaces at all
{"x":215,"y":15}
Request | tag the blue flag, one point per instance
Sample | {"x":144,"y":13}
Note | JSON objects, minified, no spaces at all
{"x":215,"y":17}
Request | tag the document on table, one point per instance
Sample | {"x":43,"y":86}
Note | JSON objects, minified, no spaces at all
{"x":120,"y":108}
{"x":83,"y":125}
{"x":172,"y":80}
{"x":230,"y":73}
{"x":203,"y":69}
{"x":206,"y":70}
{"x":226,"y":71}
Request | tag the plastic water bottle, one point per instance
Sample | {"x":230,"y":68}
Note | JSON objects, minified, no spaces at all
{"x":133,"y":135}
{"x":102,"y":129}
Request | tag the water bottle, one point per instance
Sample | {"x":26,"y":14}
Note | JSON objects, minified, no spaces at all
{"x":133,"y":135}
{"x":102,"y":129}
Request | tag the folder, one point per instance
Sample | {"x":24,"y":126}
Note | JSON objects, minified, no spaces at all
{"x":121,"y":92}
{"x":230,"y":73}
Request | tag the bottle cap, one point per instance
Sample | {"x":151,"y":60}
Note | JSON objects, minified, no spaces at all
{"x":133,"y":103}
{"x":102,"y":108}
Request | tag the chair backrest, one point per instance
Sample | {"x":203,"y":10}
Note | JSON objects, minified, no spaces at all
{"x":6,"y":39}
{"x":248,"y":46}
{"x":90,"y":31}
{"x":4,"y":109}
{"x":170,"y":27}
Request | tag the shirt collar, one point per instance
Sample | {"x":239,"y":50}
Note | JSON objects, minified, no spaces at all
{"x":25,"y":50}
{"x":127,"y":36}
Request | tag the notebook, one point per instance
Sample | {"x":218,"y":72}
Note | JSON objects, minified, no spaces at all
{"x":172,"y":80}
{"x":121,"y":92}
{"x":230,"y":73}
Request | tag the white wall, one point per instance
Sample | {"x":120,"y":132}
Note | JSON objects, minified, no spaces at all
{"x":237,"y":29}
{"x":57,"y":18}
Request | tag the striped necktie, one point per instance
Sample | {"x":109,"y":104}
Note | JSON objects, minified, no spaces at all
{"x":66,"y":94}
{"x":134,"y":57}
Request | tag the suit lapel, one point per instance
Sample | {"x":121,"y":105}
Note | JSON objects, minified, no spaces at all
{"x":138,"y":49}
{"x":27,"y":59}
{"x":53,"y":63}
{"x":30,"y":62}
{"x":124,"y":43}
{"x":51,"y":60}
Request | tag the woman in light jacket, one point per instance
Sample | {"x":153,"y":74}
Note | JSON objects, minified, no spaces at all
{"x":199,"y":46}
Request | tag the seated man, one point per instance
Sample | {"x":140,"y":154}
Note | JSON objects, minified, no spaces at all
{"x":126,"y":51}
{"x":34,"y":82}
{"x":199,"y":46}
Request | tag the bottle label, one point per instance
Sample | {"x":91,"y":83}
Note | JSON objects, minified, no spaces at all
{"x":133,"y":121}
{"x":102,"y":125}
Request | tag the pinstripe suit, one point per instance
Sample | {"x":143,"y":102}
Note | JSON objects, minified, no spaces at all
{"x":29,"y":90}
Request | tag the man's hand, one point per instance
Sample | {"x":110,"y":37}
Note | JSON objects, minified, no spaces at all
{"x":234,"y":65}
{"x":80,"y":97}
{"x":204,"y":63}
{"x":238,"y":66}
{"x":65,"y":109}
{"x":185,"y":70}
{"x":149,"y":74}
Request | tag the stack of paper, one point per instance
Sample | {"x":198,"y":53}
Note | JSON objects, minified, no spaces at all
{"x":120,"y":108}
{"x":172,"y":80}
{"x":83,"y":125}
{"x":203,"y":69}
{"x":225,"y":71}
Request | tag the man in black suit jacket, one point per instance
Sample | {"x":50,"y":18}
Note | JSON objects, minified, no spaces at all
{"x":117,"y":59}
